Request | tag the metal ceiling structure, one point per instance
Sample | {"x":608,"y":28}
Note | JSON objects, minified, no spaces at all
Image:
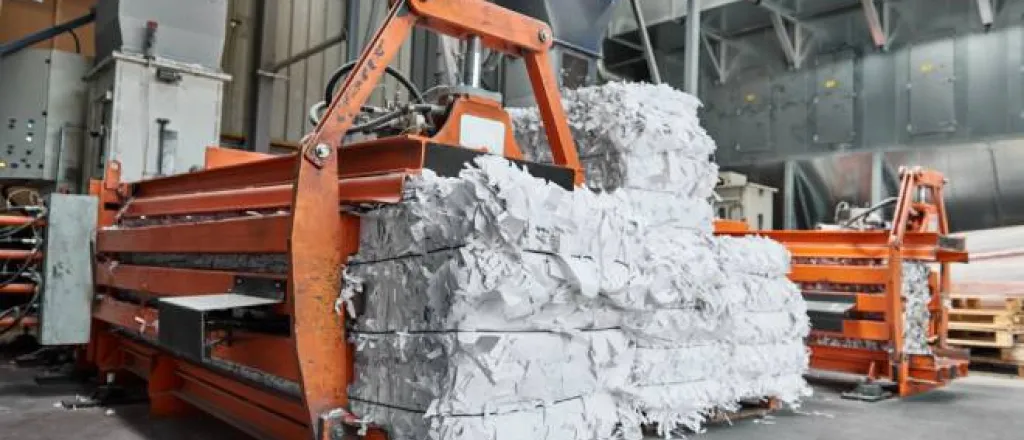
{"x":725,"y":22}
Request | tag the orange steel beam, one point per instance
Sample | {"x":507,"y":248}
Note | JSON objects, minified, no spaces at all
{"x":259,"y":351}
{"x":862,"y":252}
{"x":316,"y":228}
{"x":137,"y":319}
{"x":372,"y":189}
{"x":812,"y":273}
{"x":262,"y":234}
{"x":18,"y":289}
{"x":852,"y":238}
{"x":217,"y":157}
{"x":265,"y":172}
{"x":28,"y":321}
{"x":316,"y":232}
{"x":257,"y":412}
{"x":260,"y":413}
{"x":860,"y":329}
{"x":723,"y":226}
{"x":20,"y":254}
{"x":243,"y":414}
{"x":165,"y":281}
{"x":18,"y":220}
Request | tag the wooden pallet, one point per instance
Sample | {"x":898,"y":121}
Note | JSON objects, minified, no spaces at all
{"x":987,"y":302}
{"x":970,"y":336}
{"x":1002,"y":359}
{"x":985,"y":321}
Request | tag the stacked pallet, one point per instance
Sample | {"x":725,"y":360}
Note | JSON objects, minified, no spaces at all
{"x":990,"y":325}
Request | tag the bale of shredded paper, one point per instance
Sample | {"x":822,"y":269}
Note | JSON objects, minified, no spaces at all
{"x":496,"y":305}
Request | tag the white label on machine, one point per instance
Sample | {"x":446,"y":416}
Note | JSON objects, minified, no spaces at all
{"x":477,"y":132}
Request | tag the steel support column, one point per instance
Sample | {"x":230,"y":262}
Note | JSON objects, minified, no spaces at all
{"x":261,"y":86}
{"x":878,"y":34}
{"x":789,"y":195}
{"x":691,"y":77}
{"x":986,"y":12}
{"x":354,"y":43}
{"x":645,"y":38}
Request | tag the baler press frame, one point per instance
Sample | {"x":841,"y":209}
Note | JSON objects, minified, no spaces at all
{"x":306,"y":190}
{"x":918,"y":232}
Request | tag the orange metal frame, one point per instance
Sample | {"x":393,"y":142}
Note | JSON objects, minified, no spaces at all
{"x":309,"y":231}
{"x":918,"y":225}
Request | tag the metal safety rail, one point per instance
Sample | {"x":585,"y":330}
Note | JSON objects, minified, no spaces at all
{"x":852,"y":281}
{"x":218,"y":287}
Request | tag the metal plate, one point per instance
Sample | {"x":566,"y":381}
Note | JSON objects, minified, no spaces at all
{"x":789,"y":128}
{"x":262,"y":287}
{"x":791,"y":88}
{"x":823,"y":182}
{"x":753,"y":130}
{"x":449,"y":161}
{"x":931,"y":88}
{"x":23,"y":94}
{"x":66,"y":304}
{"x":834,"y":93}
{"x":182,"y":330}
{"x":835,"y":74}
{"x":1007,"y":157}
{"x":828,"y":322}
{"x":717,"y":125}
{"x":226,"y":301}
{"x":755,"y":94}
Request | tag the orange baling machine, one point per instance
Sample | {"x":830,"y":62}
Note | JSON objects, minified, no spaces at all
{"x":852,"y":279}
{"x":218,"y":287}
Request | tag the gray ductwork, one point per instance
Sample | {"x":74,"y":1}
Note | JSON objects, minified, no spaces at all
{"x":579,"y":28}
{"x":186,"y":31}
{"x":577,"y":24}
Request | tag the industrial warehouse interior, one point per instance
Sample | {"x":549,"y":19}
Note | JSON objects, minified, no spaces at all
{"x":511,"y":219}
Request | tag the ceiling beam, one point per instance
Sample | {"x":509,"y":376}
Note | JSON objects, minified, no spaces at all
{"x":645,"y":39}
{"x":669,"y":10}
{"x":879,"y":35}
{"x":776,"y":8}
{"x":792,"y":38}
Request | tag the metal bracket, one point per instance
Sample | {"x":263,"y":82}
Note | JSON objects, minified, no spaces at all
{"x":867,"y":392}
{"x":262,"y":287}
{"x":182,"y":320}
{"x":718,"y":53}
{"x":793,"y":38}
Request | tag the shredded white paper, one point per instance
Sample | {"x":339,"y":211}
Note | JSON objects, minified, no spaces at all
{"x":499,"y":306}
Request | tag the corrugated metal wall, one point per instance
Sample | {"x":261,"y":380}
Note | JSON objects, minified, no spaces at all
{"x":300,"y":25}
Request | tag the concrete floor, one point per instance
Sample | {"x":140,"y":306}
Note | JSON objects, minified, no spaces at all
{"x":980,"y":407}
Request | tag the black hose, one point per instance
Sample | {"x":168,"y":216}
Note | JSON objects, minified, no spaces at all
{"x":336,"y":77}
{"x":78,"y":43}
